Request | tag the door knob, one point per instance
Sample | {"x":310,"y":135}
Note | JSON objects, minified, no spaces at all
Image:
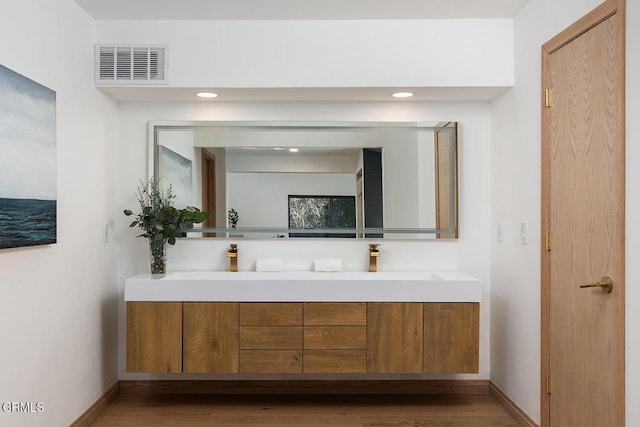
{"x":606,"y":284}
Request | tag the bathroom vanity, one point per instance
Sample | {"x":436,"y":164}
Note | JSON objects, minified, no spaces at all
{"x":303,"y":322}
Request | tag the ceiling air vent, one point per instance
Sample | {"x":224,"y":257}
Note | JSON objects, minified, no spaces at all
{"x":131,"y":65}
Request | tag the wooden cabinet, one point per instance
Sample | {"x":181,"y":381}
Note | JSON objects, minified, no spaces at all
{"x":451,"y":337}
{"x":154,"y":337}
{"x":210,"y":337}
{"x":394,"y":338}
{"x":312,"y":337}
{"x":270,"y":337}
{"x":335,"y":337}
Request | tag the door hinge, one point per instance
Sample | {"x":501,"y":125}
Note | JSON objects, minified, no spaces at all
{"x":548,"y":384}
{"x":547,"y":238}
{"x":547,"y":98}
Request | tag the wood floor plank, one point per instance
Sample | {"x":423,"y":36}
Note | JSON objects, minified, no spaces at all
{"x":413,"y":410}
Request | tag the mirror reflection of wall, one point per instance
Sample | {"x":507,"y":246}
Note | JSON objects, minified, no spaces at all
{"x":395,"y":174}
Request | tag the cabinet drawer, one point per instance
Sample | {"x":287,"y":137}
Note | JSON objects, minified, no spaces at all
{"x":335,"y":337}
{"x":335,"y":361}
{"x":270,"y":314}
{"x":270,"y":361}
{"x":271,"y":337}
{"x":335,"y":313}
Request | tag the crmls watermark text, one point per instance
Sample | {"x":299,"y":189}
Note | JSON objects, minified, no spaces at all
{"x":22,"y":407}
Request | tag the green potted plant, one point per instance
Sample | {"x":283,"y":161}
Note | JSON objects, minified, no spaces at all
{"x":161,"y":222}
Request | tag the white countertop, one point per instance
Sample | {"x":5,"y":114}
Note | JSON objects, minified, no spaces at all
{"x":304,"y":286}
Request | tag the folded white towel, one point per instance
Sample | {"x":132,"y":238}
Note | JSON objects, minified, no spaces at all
{"x":328,"y":264}
{"x":269,"y":264}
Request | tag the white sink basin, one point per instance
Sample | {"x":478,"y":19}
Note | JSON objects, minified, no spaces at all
{"x":298,"y":275}
{"x":349,"y":286}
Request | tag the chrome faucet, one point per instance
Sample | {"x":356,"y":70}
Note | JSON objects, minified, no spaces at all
{"x":374,"y":253}
{"x":232,"y":253}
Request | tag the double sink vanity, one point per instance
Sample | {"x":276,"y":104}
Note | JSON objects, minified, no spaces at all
{"x":293,"y":180}
{"x":303,"y":322}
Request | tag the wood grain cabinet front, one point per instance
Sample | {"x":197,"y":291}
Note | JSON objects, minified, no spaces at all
{"x":451,"y":337}
{"x":270,"y":314}
{"x":335,"y":313}
{"x":312,"y":337}
{"x":270,"y":337}
{"x":335,"y":337}
{"x":154,"y":337}
{"x":394,"y":338}
{"x":210,"y":337}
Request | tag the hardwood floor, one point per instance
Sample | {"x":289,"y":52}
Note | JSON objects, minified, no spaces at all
{"x":139,"y":409}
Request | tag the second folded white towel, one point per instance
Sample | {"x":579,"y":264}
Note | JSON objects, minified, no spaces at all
{"x":269,"y":264}
{"x":328,"y":264}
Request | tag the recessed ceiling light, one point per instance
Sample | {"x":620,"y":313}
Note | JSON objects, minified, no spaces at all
{"x":278,"y":149}
{"x":402,"y":94}
{"x":293,"y":150}
{"x":206,"y":94}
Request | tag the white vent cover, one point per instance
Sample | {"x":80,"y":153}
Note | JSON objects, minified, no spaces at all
{"x":131,"y":65}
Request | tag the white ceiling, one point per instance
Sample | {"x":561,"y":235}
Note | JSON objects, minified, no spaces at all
{"x":300,"y":9}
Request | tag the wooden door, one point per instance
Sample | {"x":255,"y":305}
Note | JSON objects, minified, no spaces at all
{"x":442,"y":141}
{"x":209,"y":190}
{"x":583,"y":210}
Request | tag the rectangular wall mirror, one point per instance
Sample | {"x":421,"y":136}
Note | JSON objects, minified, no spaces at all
{"x":387,"y":179}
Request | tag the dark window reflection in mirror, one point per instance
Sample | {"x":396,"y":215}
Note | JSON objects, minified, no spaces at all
{"x":322,"y":213}
{"x":401,"y":176}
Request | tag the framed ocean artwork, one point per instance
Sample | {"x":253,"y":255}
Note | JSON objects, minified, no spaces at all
{"x":177,"y":171}
{"x":28,"y":163}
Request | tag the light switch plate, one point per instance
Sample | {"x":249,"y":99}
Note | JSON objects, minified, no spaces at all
{"x":524,"y":233}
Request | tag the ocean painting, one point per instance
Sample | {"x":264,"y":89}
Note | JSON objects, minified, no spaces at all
{"x":177,"y":171}
{"x":28,"y":168}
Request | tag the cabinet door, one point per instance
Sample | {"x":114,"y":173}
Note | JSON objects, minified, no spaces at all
{"x":154,"y":337}
{"x":394,"y":337}
{"x":210,"y":337}
{"x":451,"y":337}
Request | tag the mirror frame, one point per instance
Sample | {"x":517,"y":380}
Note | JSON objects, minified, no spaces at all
{"x":156,"y":127}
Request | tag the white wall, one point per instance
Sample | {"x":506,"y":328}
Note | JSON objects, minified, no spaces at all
{"x":470,"y":253}
{"x":361,"y":53}
{"x":515,"y":186}
{"x":58,"y":303}
{"x":262,"y":199}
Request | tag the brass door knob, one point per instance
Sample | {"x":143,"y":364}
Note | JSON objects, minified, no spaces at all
{"x":606,"y":284}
